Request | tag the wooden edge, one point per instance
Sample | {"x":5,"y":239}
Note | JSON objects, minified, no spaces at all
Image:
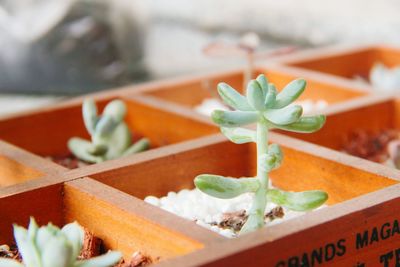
{"x":133,"y":205}
{"x":29,"y":159}
{"x":359,"y":102}
{"x":167,"y":106}
{"x":144,"y":156}
{"x":44,"y":181}
{"x":343,"y":83}
{"x":326,"y":51}
{"x":218,"y":254}
{"x":336,"y":156}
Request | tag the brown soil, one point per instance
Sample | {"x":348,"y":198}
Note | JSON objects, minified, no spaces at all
{"x":236,"y":220}
{"x":371,"y":146}
{"x":68,"y":161}
{"x":138,"y":260}
{"x":10,"y":252}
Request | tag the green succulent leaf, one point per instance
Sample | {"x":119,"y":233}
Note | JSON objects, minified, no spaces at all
{"x":10,"y":263}
{"x":297,"y":201}
{"x":119,"y":141}
{"x":290,"y":93}
{"x":271,"y":160}
{"x":239,"y":135}
{"x":225,"y":187}
{"x":270,"y":97}
{"x":105,"y":126}
{"x":26,"y":247}
{"x":116,"y":109}
{"x":263,"y":82}
{"x":303,"y":125}
{"x":141,"y":145}
{"x":285,"y":115}
{"x":233,"y":98}
{"x":89,"y":112}
{"x":254,"y":221}
{"x":57,"y":253}
{"x":75,"y":235}
{"x":80,"y":148}
{"x":234,"y":118}
{"x":255,"y":95}
{"x":109,"y":259}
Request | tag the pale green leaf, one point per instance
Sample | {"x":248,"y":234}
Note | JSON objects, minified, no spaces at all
{"x":75,"y":235}
{"x":303,"y":125}
{"x":297,"y":201}
{"x":225,"y":187}
{"x":290,"y":93}
{"x":116,"y":109}
{"x":80,"y":148}
{"x":89,"y":112}
{"x":233,"y":98}
{"x":234,"y":118}
{"x":285,"y":115}
{"x":141,"y":145}
{"x":255,"y":95}
{"x":270,"y":97}
{"x":239,"y":135}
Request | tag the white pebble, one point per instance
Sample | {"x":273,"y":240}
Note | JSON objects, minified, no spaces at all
{"x":197,"y":206}
{"x":152,"y":200}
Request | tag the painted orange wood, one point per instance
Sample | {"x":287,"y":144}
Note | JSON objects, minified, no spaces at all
{"x":95,"y":207}
{"x":46,"y":132}
{"x":371,"y":114}
{"x":18,"y":166}
{"x":361,"y":231}
{"x":193,"y":92}
{"x":345,"y":62}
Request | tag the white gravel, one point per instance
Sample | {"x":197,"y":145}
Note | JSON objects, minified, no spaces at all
{"x":204,"y":209}
{"x":210,"y":104}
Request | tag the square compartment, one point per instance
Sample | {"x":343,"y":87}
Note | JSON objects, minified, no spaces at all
{"x":344,"y":62}
{"x":114,"y":217}
{"x":45,"y":132}
{"x":190,"y":93}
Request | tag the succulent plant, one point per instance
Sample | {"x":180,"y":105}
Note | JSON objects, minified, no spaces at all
{"x":110,"y":136}
{"x":270,"y":110}
{"x":49,"y":246}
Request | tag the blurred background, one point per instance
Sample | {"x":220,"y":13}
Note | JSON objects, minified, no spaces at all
{"x":54,"y":49}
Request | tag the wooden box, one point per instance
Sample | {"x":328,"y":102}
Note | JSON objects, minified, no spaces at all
{"x":359,"y":227}
{"x":188,"y":93}
{"x":344,"y":63}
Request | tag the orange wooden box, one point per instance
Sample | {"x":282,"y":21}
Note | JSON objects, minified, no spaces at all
{"x":343,"y":63}
{"x":191,"y":92}
{"x":360,"y":225}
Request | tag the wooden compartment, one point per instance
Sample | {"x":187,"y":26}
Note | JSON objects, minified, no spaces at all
{"x":45,"y":132}
{"x":344,"y":62}
{"x":192,"y":92}
{"x":306,"y":166}
{"x":118,"y":219}
{"x":371,"y":114}
{"x":19,"y":166}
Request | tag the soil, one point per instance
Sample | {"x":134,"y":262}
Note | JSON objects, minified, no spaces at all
{"x":236,"y":220}
{"x":92,"y":247}
{"x":68,"y":161}
{"x":371,"y":146}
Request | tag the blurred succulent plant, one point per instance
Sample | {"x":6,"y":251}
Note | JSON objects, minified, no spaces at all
{"x":49,"y":246}
{"x":110,"y":136}
{"x":246,"y":46}
{"x":264,"y":106}
{"x":384,"y":78}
